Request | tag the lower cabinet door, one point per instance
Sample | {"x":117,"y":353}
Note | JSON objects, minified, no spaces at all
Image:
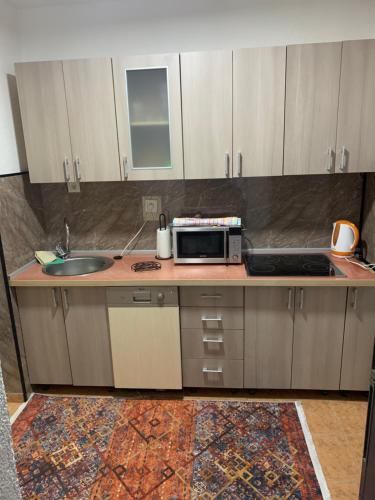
{"x":318,"y":337}
{"x":213,"y":373}
{"x":268,"y":337}
{"x":146,"y":348}
{"x":358,"y":339}
{"x":87,"y":331}
{"x":44,"y":335}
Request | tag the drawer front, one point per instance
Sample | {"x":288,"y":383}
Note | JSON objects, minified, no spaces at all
{"x":212,"y":318}
{"x":227,"y":344}
{"x":212,"y":373}
{"x":211,"y":296}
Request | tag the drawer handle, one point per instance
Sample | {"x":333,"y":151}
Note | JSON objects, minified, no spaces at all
{"x":212,"y":370}
{"x":218,"y":318}
{"x":208,"y":296}
{"x":219,"y":340}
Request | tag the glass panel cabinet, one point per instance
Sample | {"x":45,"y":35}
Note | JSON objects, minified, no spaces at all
{"x":148,"y":104}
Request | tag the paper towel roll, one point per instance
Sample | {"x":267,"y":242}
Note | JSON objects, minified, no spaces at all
{"x":163,"y":243}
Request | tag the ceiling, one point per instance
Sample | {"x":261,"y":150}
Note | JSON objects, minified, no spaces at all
{"x":47,"y":3}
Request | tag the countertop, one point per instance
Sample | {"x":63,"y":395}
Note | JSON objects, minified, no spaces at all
{"x":170,"y":274}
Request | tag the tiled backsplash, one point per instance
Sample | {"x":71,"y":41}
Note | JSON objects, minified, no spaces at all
{"x":293,"y":211}
{"x":368,"y":233}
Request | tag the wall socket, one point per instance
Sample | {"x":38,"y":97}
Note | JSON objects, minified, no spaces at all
{"x":151,"y":207}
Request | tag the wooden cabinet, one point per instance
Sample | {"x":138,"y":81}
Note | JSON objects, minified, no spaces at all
{"x":66,"y":335}
{"x":44,"y":336}
{"x":148,"y":105}
{"x":45,"y":121}
{"x":258,"y":111}
{"x":269,"y":313}
{"x":68,"y":117}
{"x":358,"y":339}
{"x":206,"y":80}
{"x":87,"y":332}
{"x":311,"y":106}
{"x":356,"y":119}
{"x":318,"y":337}
{"x":92,"y":119}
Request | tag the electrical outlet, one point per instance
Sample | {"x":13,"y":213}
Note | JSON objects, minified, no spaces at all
{"x":151,"y":207}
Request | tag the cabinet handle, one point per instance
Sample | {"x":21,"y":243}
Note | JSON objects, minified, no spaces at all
{"x":77,"y":166}
{"x":66,"y":170}
{"x":227,"y":164}
{"x":302,"y":298}
{"x":213,"y":296}
{"x":331,"y":158}
{"x":218,"y":318}
{"x":218,"y":340}
{"x":355,"y":298}
{"x":54,"y":299}
{"x":343,"y":159}
{"x":125,"y":168}
{"x":290,"y":297}
{"x":239,"y":164}
{"x":66,"y":299}
{"x":212,"y":370}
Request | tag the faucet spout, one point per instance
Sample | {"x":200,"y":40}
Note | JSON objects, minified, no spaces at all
{"x":64,"y":251}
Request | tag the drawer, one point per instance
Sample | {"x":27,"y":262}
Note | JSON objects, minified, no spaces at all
{"x":211,"y":296}
{"x":212,"y":373}
{"x":212,"y":318}
{"x":227,"y":344}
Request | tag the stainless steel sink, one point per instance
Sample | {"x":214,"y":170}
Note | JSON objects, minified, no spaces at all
{"x":75,"y":266}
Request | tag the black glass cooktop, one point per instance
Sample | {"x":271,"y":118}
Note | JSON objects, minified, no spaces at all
{"x":290,"y":265}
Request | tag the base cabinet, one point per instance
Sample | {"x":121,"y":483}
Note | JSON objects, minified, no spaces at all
{"x":318,"y":337}
{"x":44,"y":335}
{"x":65,"y":333}
{"x":358,"y":339}
{"x":268,"y":337}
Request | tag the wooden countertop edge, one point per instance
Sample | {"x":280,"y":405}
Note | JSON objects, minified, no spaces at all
{"x":295,"y":282}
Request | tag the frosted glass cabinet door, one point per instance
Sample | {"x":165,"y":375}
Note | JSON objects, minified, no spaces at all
{"x":148,"y":104}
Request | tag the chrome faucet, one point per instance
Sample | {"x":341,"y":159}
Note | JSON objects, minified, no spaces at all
{"x":64,"y":251}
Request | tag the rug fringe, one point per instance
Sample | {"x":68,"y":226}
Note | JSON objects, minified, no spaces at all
{"x":312,"y":450}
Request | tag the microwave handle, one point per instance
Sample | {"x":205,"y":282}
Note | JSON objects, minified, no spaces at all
{"x":226,"y":246}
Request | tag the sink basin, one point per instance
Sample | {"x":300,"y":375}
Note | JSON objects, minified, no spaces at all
{"x":75,"y":266}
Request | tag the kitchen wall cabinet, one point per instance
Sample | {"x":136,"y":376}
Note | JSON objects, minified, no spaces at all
{"x":45,"y":121}
{"x":206,"y":84}
{"x":92,"y":119}
{"x":311,"y":106}
{"x":44,"y":336}
{"x":68,"y":117}
{"x":258,"y":111}
{"x":269,"y":313}
{"x":356,"y":118}
{"x":318,"y":337}
{"x":87,"y":332}
{"x":148,"y":104}
{"x":358,"y":339}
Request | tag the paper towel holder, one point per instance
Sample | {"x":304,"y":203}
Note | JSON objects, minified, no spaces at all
{"x":163,"y":227}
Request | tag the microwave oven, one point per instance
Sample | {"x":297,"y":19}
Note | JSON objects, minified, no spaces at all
{"x":207,"y":244}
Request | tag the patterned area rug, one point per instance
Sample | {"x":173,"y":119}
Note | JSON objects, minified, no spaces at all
{"x":109,"y":448}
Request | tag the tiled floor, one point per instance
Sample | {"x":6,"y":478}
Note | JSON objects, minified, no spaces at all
{"x":337,"y":425}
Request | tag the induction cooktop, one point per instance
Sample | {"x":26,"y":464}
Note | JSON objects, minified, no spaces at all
{"x":313,"y":264}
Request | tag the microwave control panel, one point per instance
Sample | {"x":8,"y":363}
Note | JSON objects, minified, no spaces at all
{"x":235,"y":246}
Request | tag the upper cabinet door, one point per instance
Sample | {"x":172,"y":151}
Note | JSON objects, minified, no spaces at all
{"x":206,"y":79}
{"x":355,"y":134}
{"x":45,"y":121}
{"x":148,"y":104}
{"x":92,"y":119}
{"x":258,"y":111}
{"x":312,"y":93}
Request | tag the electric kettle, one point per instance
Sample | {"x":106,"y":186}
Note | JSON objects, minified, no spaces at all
{"x":345,"y":237}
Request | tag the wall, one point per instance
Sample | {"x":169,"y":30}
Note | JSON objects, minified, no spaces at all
{"x":12,"y":158}
{"x":90,"y":28}
{"x":293,"y":211}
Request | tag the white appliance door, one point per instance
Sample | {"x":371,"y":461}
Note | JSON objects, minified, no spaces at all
{"x":146,"y":348}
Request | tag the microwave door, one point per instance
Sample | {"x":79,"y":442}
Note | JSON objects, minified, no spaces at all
{"x":197,"y":246}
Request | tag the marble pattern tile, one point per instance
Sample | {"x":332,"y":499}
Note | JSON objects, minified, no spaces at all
{"x":368,"y":233}
{"x":290,"y":211}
